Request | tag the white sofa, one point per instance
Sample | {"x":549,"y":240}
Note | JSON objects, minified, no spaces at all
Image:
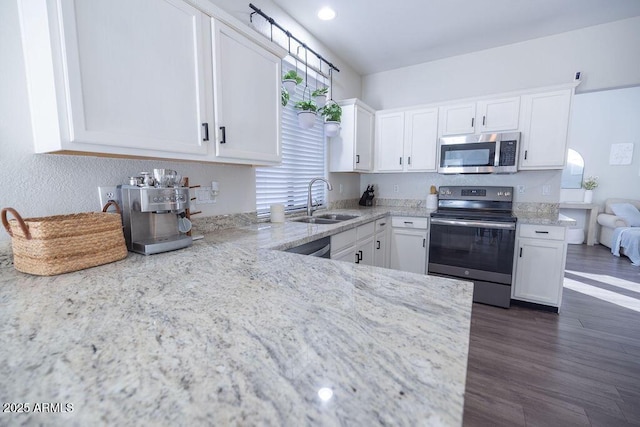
{"x":609,"y":221}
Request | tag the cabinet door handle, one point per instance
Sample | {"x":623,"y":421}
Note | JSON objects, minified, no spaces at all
{"x":409,"y":160}
{"x":472,"y":121}
{"x":400,"y":160}
{"x":378,"y":242}
{"x":357,"y":258}
{"x":357,"y":158}
{"x":382,"y":224}
{"x":206,"y":131}
{"x":360,"y":252}
{"x":424,"y":243}
{"x":224,"y":135}
{"x":483,"y":120}
{"x":525,"y":154}
{"x":520,"y":252}
{"x":408,"y":222}
{"x":542,"y":232}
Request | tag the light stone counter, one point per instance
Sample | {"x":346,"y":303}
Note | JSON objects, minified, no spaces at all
{"x":230,"y":332}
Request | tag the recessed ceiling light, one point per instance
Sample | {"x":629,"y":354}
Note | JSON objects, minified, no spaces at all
{"x":326,"y":14}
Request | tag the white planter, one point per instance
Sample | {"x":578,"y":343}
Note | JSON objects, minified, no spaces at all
{"x":588,"y":196}
{"x":306,"y":119}
{"x":290,"y":85}
{"x":331,"y":129}
{"x":321,"y":100}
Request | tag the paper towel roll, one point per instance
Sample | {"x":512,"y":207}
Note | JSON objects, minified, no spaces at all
{"x":432,"y":201}
{"x":277,"y":213}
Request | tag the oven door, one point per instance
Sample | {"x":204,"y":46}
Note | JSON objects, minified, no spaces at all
{"x":472,"y":250}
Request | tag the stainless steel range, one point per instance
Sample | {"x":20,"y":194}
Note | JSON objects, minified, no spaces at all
{"x":472,"y":237}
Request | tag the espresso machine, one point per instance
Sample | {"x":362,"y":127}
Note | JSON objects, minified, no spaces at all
{"x":153,"y":210}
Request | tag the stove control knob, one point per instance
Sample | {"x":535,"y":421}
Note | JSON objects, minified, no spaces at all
{"x":500,"y":193}
{"x":507,"y":193}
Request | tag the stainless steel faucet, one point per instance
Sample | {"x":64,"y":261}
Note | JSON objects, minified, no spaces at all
{"x":309,"y":200}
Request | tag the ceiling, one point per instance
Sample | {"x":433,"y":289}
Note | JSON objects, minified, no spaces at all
{"x":374,"y":36}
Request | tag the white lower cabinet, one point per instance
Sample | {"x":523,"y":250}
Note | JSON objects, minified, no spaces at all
{"x":409,"y":244}
{"x":381,"y":243}
{"x":355,"y":245}
{"x":540,"y":258}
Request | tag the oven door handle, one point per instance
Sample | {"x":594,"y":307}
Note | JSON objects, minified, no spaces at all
{"x":483,"y":224}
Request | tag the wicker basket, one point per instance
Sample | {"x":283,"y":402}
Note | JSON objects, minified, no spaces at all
{"x":59,"y":244}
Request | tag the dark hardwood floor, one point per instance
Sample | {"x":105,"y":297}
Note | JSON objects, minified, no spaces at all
{"x":580,"y":367}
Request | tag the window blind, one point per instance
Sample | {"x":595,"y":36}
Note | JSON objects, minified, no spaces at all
{"x":303,"y":158}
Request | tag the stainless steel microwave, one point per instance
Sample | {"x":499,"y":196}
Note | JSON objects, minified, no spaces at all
{"x":484,"y":153}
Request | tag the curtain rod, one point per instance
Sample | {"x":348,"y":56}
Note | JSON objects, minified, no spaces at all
{"x":289,"y":35}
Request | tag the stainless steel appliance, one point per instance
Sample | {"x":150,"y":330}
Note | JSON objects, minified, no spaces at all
{"x":484,"y":153}
{"x":152,"y":215}
{"x":472,"y":237}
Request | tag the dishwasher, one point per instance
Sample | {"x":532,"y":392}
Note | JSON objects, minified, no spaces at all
{"x":319,"y":248}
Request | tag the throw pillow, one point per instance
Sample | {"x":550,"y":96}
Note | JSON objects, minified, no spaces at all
{"x":628,"y":212}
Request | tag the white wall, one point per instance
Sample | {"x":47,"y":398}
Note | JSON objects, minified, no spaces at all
{"x":416,"y":185}
{"x":600,"y":119}
{"x":607,"y":55}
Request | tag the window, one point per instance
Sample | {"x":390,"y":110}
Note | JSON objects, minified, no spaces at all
{"x":303,"y":158}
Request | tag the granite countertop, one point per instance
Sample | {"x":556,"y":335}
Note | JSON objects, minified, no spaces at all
{"x":232,"y":332}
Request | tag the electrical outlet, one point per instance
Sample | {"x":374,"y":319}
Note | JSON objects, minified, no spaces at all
{"x":546,"y":190}
{"x":106,"y":194}
{"x":520,"y":189}
{"x":396,"y":188}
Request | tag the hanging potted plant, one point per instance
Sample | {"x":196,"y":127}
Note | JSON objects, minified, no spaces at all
{"x":332,"y":114}
{"x":307,"y":113}
{"x":290,"y":80}
{"x":320,"y":95}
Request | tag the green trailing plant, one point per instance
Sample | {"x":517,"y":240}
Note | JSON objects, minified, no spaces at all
{"x":320,"y":91}
{"x":331,"y":112}
{"x":307,"y":106}
{"x":590,"y":183}
{"x":284,"y":95}
{"x":292,"y":75}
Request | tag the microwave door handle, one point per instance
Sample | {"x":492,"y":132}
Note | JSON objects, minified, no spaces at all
{"x":481,"y":224}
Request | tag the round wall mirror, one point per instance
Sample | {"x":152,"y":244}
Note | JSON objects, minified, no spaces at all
{"x":572,"y":173}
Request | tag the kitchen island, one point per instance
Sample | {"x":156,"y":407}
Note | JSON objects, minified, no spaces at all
{"x":233,"y":332}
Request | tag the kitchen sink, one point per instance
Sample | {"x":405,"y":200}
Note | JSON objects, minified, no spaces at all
{"x":317,"y":220}
{"x":325,"y":218}
{"x":337,"y":217}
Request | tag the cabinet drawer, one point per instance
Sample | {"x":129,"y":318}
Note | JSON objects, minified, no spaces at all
{"x":366,"y":230}
{"x":410,"y":222}
{"x":343,"y":240}
{"x":547,"y":232}
{"x":382,"y":224}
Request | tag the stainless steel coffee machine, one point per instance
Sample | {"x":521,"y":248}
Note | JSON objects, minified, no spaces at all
{"x":153,"y":215}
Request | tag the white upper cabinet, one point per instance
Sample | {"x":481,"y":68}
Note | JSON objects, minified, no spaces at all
{"x":457,"y":119}
{"x":247,"y":99}
{"x":494,"y":115}
{"x":421,"y":140}
{"x":124,"y":78}
{"x":544,"y":126}
{"x":389,"y":141}
{"x":352,"y":149}
{"x":407,"y":140}
{"x":498,"y":115}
